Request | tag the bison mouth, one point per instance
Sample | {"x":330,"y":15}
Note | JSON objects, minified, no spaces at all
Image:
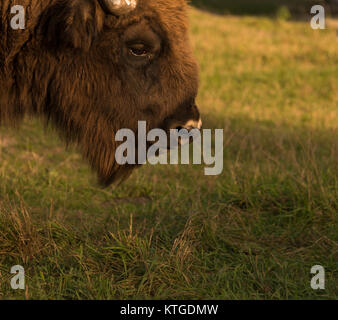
{"x":190,"y":125}
{"x":186,"y":134}
{"x":182,"y":131}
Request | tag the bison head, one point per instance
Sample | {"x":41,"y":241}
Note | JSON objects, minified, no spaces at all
{"x":92,"y":67}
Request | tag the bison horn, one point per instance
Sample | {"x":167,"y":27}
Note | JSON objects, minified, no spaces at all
{"x":118,"y":7}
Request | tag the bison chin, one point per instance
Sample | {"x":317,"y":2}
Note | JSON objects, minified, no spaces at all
{"x":117,"y":176}
{"x":106,"y":164}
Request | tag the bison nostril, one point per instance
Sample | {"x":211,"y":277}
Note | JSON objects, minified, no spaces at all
{"x":188,"y":128}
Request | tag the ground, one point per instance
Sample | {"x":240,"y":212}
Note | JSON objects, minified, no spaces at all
{"x":170,"y":232}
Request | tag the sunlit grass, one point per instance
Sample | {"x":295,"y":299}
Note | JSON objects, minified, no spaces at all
{"x":171,"y":232}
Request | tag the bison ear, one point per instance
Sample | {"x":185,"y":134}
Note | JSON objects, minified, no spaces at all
{"x":72,"y":23}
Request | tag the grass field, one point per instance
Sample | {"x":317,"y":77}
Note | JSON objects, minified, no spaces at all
{"x":264,"y":7}
{"x":169,"y":232}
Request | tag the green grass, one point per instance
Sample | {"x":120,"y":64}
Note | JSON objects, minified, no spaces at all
{"x":170,"y":232}
{"x":258,"y":7}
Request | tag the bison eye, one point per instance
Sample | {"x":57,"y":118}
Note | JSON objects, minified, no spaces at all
{"x":138,"y":50}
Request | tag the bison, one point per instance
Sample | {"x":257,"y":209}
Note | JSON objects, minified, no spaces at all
{"x":91,"y":67}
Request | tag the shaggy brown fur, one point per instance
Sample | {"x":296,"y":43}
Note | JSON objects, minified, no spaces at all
{"x":72,"y":66}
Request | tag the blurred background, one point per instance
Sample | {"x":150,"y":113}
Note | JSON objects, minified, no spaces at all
{"x":294,"y":8}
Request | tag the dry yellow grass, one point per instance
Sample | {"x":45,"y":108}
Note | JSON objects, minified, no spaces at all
{"x":288,"y":58}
